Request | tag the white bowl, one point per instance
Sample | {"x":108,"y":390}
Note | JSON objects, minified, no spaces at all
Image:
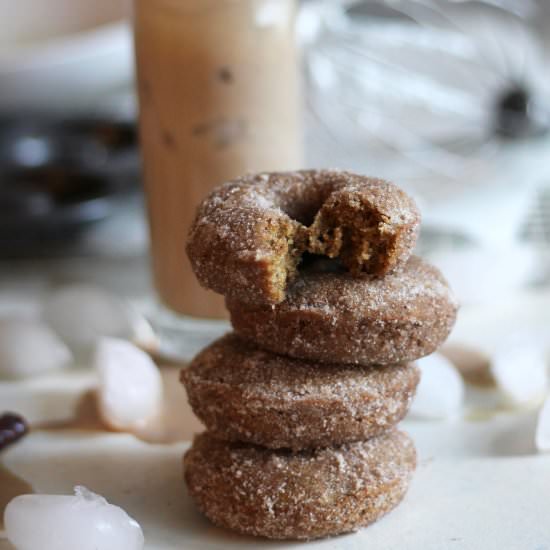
{"x":63,"y":56}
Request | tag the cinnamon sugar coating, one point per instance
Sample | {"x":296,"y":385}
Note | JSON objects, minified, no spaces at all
{"x":337,"y":318}
{"x":250,"y":234}
{"x":307,"y":495}
{"x":242,"y":393}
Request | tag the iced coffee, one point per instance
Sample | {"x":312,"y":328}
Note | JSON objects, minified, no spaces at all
{"x":219,"y":97}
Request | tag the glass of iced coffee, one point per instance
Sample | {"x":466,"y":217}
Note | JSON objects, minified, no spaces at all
{"x":219,"y":96}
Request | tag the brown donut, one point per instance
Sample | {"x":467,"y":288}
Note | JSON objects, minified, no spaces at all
{"x":242,"y":393}
{"x":308,"y":495}
{"x":337,"y":318}
{"x":249,"y":235}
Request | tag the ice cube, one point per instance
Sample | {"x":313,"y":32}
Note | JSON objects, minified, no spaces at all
{"x":81,"y":314}
{"x":143,"y":334}
{"x":519,"y":369}
{"x":440,"y":393}
{"x":130,"y":385}
{"x":85,"y":521}
{"x":29,"y":347}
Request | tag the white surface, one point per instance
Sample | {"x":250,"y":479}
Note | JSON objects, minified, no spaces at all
{"x":440,"y":393}
{"x":480,"y":484}
{"x":472,"y":490}
{"x":65,"y":522}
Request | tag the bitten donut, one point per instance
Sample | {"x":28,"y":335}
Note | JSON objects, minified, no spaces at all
{"x":336,"y":318}
{"x":250,"y":234}
{"x":242,"y":393}
{"x":305,"y":495}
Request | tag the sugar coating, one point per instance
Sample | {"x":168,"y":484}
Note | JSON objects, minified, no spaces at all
{"x":250,"y":234}
{"x":242,"y":393}
{"x":338,"y":318}
{"x":306,"y":495}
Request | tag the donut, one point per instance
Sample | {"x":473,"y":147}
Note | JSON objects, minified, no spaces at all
{"x":242,"y":393}
{"x":338,"y":318}
{"x":306,"y":495}
{"x":250,"y":234}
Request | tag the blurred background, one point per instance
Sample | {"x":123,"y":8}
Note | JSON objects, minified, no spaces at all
{"x":450,"y":99}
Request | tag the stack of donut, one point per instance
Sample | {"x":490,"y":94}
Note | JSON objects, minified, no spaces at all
{"x":329,"y":310}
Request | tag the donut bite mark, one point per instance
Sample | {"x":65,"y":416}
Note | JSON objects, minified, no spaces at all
{"x":306,"y":495}
{"x":250,"y":234}
{"x":286,"y":242}
{"x":372,"y":227}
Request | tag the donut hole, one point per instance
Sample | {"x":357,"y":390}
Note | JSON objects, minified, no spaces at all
{"x":352,"y":230}
{"x":301,"y":212}
{"x":313,"y":263}
{"x":302,"y":203}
